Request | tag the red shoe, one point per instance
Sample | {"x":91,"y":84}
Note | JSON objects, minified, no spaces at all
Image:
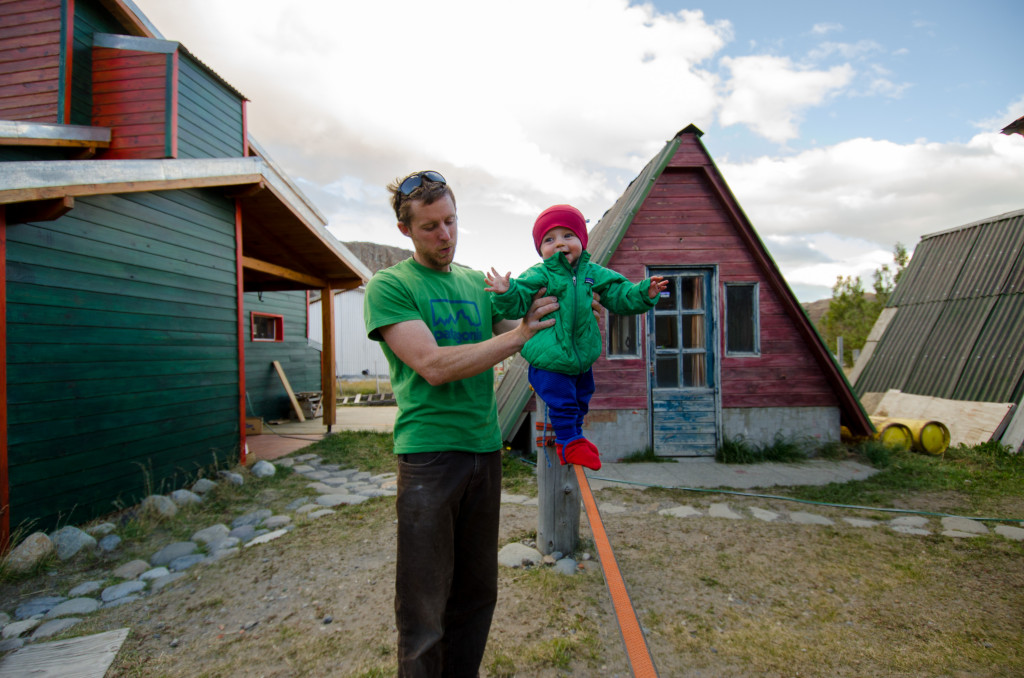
{"x":582,"y":452}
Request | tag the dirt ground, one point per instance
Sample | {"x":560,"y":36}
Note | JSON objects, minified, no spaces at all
{"x":716,"y":597}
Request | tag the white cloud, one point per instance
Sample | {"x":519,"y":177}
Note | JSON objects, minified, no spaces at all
{"x":823,"y":28}
{"x":768,"y":93}
{"x":845,"y":50}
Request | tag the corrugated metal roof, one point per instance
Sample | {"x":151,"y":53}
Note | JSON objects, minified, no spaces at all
{"x":958,"y":331}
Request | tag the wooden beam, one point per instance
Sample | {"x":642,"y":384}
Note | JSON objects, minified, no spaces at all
{"x":40,"y":210}
{"x":282,"y":272}
{"x":288,"y":388}
{"x":48,"y":192}
{"x":328,"y":379}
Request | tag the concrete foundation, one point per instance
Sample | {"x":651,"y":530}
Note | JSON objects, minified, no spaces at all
{"x":616,"y":433}
{"x":760,"y":425}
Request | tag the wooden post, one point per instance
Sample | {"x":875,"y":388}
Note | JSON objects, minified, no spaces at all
{"x":328,"y":379}
{"x":558,"y":501}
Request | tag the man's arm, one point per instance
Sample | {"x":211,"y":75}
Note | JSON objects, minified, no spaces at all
{"x":414,"y":344}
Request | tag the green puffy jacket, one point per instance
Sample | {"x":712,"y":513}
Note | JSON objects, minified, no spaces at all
{"x":573,"y":343}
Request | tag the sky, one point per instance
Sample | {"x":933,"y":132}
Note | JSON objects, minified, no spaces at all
{"x":841,"y":128}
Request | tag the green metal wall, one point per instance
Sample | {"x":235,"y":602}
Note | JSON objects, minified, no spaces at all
{"x":209,"y":115}
{"x":267,"y":397}
{"x":90,"y":18}
{"x":122,"y":352}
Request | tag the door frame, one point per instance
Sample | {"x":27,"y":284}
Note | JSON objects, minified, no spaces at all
{"x":715,"y":337}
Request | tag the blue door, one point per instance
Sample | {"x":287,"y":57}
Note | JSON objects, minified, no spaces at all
{"x":684,"y":398}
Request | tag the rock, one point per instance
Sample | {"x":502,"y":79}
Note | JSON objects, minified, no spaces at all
{"x":909,"y":521}
{"x":121,"y":601}
{"x":302,"y":468}
{"x":211,"y":534}
{"x":185,"y":562}
{"x":254,"y":518}
{"x":109,"y":543}
{"x":263,"y":469}
{"x":131,"y":570}
{"x":243,"y":533}
{"x":16,"y":629}
{"x":159,"y":506}
{"x":38,"y":606}
{"x":203,"y":485}
{"x":67,"y":541}
{"x":184,"y":497}
{"x":11,"y":644}
{"x":270,"y":536}
{"x":155,"y":573}
{"x":85,"y":588}
{"x":32,"y":550}
{"x":73,"y":607}
{"x":5,"y":619}
{"x":565,"y":566}
{"x":339,"y":499}
{"x":165,"y":580}
{"x":222,"y":544}
{"x":101,"y":530}
{"x":233,"y":478}
{"x":52,"y":628}
{"x":172,"y":551}
{"x":121,"y":590}
{"x":518,"y":555}
{"x":298,"y":504}
{"x":321,"y":513}
{"x":276,"y":522}
{"x":764,"y":514}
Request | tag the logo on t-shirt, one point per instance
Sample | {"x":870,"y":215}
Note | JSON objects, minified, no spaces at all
{"x":454,"y":320}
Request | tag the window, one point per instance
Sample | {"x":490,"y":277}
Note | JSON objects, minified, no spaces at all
{"x":742,"y":325}
{"x":623,"y":336}
{"x":267,"y":327}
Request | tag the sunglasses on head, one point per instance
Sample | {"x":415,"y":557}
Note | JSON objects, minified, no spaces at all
{"x":416,"y":180}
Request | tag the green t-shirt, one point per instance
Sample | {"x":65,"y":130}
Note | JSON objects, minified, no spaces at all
{"x":459,"y":415}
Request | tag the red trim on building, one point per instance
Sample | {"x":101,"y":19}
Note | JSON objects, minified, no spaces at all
{"x":245,"y":135}
{"x":69,"y":50}
{"x":172,"y":107}
{"x":5,"y":485}
{"x":240,"y":281}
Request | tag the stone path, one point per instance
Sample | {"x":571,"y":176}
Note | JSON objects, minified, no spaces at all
{"x":45,"y":616}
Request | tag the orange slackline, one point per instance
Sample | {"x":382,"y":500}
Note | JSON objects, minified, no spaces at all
{"x":636,"y":646}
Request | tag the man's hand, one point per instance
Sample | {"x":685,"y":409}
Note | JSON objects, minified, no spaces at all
{"x":658,"y":285}
{"x":497,"y":282}
{"x":534,"y":320}
{"x":596,"y":306}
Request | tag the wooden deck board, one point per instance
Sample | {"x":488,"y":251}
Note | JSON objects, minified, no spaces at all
{"x":84,"y":657}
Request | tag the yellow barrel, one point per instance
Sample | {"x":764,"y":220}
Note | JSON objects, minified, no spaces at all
{"x":893,"y":434}
{"x":927,"y":436}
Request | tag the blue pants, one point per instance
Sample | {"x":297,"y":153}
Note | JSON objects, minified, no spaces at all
{"x":568,"y":399}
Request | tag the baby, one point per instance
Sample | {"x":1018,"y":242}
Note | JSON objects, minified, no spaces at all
{"x":561,"y":356}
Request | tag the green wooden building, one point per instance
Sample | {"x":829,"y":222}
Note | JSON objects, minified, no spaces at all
{"x":155,"y":262}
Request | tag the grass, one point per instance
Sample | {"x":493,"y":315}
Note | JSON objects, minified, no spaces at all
{"x":363,"y":386}
{"x":781,"y":449}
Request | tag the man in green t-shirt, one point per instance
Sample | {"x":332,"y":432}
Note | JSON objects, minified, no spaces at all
{"x":442,"y":338}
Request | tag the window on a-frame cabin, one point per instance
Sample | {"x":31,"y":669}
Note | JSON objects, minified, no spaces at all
{"x":742,"y":322}
{"x":623,"y":336}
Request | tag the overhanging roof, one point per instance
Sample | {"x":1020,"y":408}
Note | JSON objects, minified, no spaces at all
{"x":285,"y":242}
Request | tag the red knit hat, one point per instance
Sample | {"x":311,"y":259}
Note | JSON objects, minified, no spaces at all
{"x":560,"y":215}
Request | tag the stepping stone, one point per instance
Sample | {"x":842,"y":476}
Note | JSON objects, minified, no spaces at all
{"x":958,"y":524}
{"x":1010,"y":532}
{"x":764,"y":514}
{"x":680,"y":512}
{"x":860,"y":522}
{"x":909,"y":521}
{"x":907,"y":529}
{"x":73,"y":607}
{"x":53,"y":627}
{"x":723,"y":511}
{"x":804,"y":518}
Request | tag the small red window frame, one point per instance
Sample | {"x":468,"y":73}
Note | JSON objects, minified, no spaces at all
{"x":278,"y":327}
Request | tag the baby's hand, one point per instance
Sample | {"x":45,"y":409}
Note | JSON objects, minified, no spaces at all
{"x":658,"y":285}
{"x":497,"y":282}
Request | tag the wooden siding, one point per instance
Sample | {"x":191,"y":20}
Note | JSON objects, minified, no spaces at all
{"x":684,"y":222}
{"x":301,"y":363}
{"x":130,"y":95}
{"x":122,"y":354}
{"x":30,"y":60}
{"x":209,"y":115}
{"x":90,"y":18}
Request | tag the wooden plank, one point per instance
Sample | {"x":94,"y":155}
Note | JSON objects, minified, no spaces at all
{"x":282,"y":272}
{"x":288,"y":388}
{"x":83,"y":657}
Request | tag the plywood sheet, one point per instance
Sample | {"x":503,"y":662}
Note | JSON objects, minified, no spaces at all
{"x":84,"y":657}
{"x":969,"y":423}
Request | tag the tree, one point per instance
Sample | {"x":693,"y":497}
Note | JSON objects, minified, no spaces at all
{"x":851,"y":314}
